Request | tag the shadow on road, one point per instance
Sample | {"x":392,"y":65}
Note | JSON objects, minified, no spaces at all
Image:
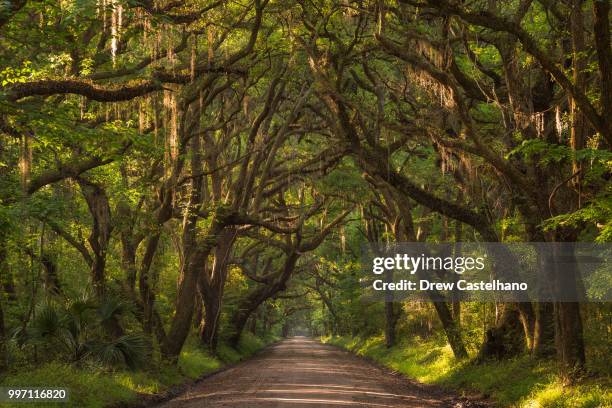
{"x":301,"y":372}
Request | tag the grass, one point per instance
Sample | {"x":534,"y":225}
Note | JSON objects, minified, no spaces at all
{"x":95,"y":387}
{"x":517,"y":383}
{"x":249,"y":344}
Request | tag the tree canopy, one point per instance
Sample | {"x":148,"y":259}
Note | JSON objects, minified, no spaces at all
{"x":198,"y":168}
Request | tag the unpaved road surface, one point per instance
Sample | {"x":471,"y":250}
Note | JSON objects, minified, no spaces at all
{"x":301,"y":372}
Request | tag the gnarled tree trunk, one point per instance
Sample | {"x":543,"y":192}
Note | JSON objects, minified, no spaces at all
{"x":211,"y":289}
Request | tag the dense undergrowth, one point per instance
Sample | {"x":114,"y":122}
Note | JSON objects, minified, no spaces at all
{"x":96,"y":387}
{"x":516,"y":383}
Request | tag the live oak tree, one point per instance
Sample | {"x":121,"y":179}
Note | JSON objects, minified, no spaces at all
{"x":250,"y":148}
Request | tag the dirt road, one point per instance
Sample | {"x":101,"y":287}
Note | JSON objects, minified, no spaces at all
{"x":301,"y":372}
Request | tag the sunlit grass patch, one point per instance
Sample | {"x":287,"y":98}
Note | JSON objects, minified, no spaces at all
{"x":556,"y":395}
{"x":194,"y":362}
{"x":247,"y":346}
{"x":516,"y":383}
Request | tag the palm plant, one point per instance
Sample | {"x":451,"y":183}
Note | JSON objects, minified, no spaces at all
{"x":76,"y":331}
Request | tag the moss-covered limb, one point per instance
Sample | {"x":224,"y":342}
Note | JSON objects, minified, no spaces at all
{"x":78,"y":87}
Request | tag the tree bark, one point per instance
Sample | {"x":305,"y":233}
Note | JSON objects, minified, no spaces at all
{"x":3,"y":352}
{"x":3,"y":267}
{"x":99,"y":208}
{"x":128,"y":262}
{"x":212,"y":288}
{"x":579,"y":64}
{"x":570,"y":339}
{"x":451,"y":329}
{"x":391,"y":314}
{"x":601,"y":28}
{"x":506,"y":339}
{"x":52,"y":283}
{"x":194,"y":256}
{"x":544,"y":330}
{"x":209,"y":327}
{"x":569,"y":330}
{"x":455,"y":302}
